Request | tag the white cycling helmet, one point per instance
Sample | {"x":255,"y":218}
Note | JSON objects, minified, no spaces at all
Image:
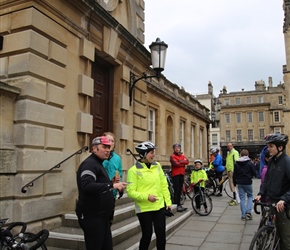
{"x":214,"y":150}
{"x":144,"y":147}
{"x":198,"y":160}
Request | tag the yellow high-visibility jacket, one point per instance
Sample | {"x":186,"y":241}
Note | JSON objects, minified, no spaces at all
{"x":199,"y":174}
{"x":144,"y":181}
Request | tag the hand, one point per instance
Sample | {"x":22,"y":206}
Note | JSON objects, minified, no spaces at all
{"x":258,"y":198}
{"x":201,"y":180}
{"x":121,"y":186}
{"x":280,"y":206}
{"x":116,"y":179}
{"x":192,"y":184}
{"x":152,"y":198}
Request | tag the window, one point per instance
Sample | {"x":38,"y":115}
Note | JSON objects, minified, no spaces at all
{"x":227,"y":118}
{"x":260,"y":99}
{"x":238,"y":101}
{"x":262,"y":134}
{"x":228,"y":135}
{"x":181,"y":133}
{"x":214,"y":139}
{"x":277,"y":130}
{"x":227,"y":102}
{"x":250,"y":135}
{"x":280,"y":99}
{"x":249,"y":100}
{"x":151,"y":125}
{"x":239,"y":135}
{"x":192,"y":141}
{"x":276,"y":116}
{"x":238,"y":117}
{"x":261,"y":116}
{"x":200,"y":143}
{"x":250,"y":116}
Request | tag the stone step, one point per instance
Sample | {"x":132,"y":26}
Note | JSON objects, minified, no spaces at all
{"x":126,"y":234}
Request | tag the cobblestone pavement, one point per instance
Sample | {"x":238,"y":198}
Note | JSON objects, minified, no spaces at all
{"x":222,"y":229}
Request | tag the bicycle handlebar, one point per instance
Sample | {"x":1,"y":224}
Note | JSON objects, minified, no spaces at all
{"x":40,"y":237}
{"x":259,"y":203}
{"x":16,"y":224}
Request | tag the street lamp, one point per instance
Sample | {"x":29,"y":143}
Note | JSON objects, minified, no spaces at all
{"x":158,"y":56}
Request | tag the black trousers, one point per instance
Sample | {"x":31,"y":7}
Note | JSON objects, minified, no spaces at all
{"x":219,"y":176}
{"x":146,"y":219}
{"x":177,"y":186}
{"x":97,"y":232}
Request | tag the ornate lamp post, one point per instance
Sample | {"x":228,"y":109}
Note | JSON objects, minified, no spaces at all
{"x":158,"y":57}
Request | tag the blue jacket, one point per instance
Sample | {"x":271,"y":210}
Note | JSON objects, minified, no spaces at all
{"x":262,"y":158}
{"x":218,"y":163}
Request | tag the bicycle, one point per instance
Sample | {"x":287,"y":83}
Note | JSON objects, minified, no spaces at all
{"x":171,"y":189}
{"x":201,"y":202}
{"x":187,"y":188}
{"x":22,"y":239}
{"x":266,"y":237}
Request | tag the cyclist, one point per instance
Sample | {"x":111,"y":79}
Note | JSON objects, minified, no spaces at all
{"x":218,"y":168}
{"x":149,"y":190}
{"x":232,"y":157}
{"x":198,"y":175}
{"x":276,"y":184}
{"x":178,"y":162}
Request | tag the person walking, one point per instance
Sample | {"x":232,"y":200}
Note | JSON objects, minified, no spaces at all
{"x":276,"y":184}
{"x":218,"y":168}
{"x":95,"y":197}
{"x":148,"y":188}
{"x":113,"y":166}
{"x":178,"y":163}
{"x":232,"y":157}
{"x":244,"y":171}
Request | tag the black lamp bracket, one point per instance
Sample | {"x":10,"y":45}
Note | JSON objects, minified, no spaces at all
{"x":133,"y":82}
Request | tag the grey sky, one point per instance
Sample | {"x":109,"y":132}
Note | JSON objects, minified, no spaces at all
{"x":228,"y":42}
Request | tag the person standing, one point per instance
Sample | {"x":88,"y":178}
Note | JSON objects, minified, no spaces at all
{"x":113,"y":166}
{"x":232,"y":157}
{"x":244,"y":170}
{"x":148,"y":188}
{"x":198,"y":175}
{"x":95,"y":197}
{"x":276,"y":184}
{"x":178,"y":163}
{"x":218,"y":168}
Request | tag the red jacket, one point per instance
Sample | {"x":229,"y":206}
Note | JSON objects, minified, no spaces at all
{"x":178,"y":163}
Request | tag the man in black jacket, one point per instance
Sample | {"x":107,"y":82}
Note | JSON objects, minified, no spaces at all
{"x":244,"y":170}
{"x":277,"y":184}
{"x":96,"y":200}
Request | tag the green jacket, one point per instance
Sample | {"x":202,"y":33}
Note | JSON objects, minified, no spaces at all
{"x":197,"y":175}
{"x":232,"y":157}
{"x":144,"y":181}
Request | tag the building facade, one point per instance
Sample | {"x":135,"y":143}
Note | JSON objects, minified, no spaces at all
{"x":65,"y":78}
{"x":246,"y":117}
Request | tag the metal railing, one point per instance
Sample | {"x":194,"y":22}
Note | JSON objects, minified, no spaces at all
{"x":30,"y":184}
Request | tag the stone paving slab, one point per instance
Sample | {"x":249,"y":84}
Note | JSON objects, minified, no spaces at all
{"x":220,"y":230}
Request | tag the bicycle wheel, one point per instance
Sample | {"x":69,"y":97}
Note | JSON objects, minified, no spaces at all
{"x":182,"y":198}
{"x":205,"y":204}
{"x":188,"y":190}
{"x":227,"y":189}
{"x":265,"y":239}
{"x":210,"y":186}
{"x":171,"y":191}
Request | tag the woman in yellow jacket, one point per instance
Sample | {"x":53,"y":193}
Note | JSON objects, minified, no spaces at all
{"x":198,"y":176}
{"x":149,"y":189}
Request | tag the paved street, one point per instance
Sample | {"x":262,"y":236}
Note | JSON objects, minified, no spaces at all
{"x":222,"y":229}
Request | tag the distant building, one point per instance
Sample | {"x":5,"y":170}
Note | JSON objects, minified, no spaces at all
{"x":246,"y":117}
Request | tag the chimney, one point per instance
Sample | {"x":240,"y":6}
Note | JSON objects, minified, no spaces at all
{"x":210,"y":88}
{"x":270,"y":82}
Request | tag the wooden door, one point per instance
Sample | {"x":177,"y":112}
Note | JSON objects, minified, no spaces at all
{"x":102,"y":102}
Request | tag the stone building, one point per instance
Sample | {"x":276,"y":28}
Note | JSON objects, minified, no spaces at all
{"x":246,"y":117}
{"x":65,"y":77}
